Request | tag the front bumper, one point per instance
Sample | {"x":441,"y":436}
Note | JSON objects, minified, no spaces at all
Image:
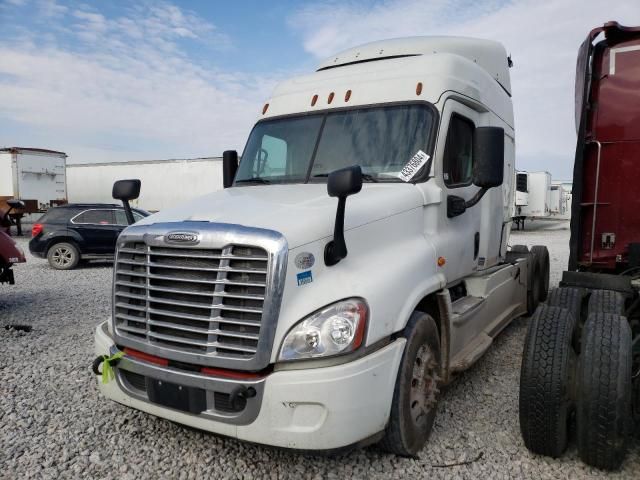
{"x":308,"y":409}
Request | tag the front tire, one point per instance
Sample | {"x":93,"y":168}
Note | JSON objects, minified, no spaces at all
{"x":413,"y":410}
{"x":63,"y":256}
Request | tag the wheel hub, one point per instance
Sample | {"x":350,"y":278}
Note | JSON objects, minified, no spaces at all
{"x":424,"y":384}
{"x":62,"y":256}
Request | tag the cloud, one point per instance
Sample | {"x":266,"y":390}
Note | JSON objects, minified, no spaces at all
{"x":124,"y":87}
{"x":542,"y":36}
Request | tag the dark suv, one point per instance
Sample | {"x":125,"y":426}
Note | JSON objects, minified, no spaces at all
{"x":73,"y":232}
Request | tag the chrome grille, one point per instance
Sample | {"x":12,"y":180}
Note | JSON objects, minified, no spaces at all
{"x":193,"y":300}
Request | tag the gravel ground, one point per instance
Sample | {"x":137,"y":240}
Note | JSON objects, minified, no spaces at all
{"x":53,"y":423}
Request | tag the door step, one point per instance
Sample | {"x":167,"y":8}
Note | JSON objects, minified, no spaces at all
{"x":471,"y":353}
{"x":464,"y":308}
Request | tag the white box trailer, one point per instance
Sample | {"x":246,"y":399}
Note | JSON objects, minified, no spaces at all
{"x":165,"y":182}
{"x":34,"y":175}
{"x":561,"y":199}
{"x":557,"y":202}
{"x":533,"y":197}
{"x":539,"y":188}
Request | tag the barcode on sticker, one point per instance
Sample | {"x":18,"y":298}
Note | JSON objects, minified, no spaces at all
{"x":413,"y":166}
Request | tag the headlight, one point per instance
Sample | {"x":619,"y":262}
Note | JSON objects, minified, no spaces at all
{"x":335,"y":329}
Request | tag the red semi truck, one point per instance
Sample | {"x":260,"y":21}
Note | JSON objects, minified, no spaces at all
{"x":582,"y":352}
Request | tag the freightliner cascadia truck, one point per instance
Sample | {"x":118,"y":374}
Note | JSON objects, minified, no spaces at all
{"x":582,"y":352}
{"x":356,"y":260}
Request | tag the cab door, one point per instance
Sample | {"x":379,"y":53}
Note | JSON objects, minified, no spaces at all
{"x":459,"y":236}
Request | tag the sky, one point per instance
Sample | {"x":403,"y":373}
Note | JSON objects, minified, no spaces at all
{"x":137,"y":80}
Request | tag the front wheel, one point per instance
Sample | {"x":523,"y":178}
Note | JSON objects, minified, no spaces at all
{"x":413,"y":410}
{"x":63,"y":256}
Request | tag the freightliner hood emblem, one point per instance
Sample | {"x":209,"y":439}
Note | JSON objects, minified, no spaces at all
{"x":187,"y":238}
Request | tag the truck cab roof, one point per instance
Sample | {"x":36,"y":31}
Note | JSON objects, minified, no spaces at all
{"x":488,"y":54}
{"x":402,"y":70}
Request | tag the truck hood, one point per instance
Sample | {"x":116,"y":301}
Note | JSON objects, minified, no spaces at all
{"x":303,"y":213}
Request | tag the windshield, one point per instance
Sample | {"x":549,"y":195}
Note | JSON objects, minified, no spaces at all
{"x":309,"y":147}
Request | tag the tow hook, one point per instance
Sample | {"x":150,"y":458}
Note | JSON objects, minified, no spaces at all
{"x":241,"y":393}
{"x":107,"y":362}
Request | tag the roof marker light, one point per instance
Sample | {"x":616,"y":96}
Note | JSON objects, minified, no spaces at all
{"x":330,"y":99}
{"x":314,"y":100}
{"x":419,"y":88}
{"x":265,"y":108}
{"x":347,"y":96}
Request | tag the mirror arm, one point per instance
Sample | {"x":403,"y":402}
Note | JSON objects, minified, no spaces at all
{"x":336,"y":249}
{"x":476,"y":198}
{"x":128,"y":212}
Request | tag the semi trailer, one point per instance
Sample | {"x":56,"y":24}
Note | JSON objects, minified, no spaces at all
{"x":357,"y":259}
{"x":170,"y":181}
{"x":35,"y":176}
{"x":581,"y":359}
{"x":533,"y":197}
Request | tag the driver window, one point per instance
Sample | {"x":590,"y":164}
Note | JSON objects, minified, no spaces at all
{"x":458,"y":152}
{"x":271,"y":158}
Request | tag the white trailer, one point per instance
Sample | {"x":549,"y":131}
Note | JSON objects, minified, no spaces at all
{"x":521,"y":197}
{"x":34,"y":175}
{"x":557,"y":202}
{"x":166,"y":182}
{"x":539,"y":187}
{"x":533,"y":197}
{"x":561,"y":199}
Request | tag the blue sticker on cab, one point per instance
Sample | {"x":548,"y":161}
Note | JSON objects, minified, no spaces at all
{"x":304,"y":277}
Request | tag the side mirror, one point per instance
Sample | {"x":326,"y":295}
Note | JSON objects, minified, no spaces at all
{"x":126,"y":190}
{"x":488,"y":168}
{"x":15,"y":204}
{"x":229,"y":167}
{"x":488,"y":157}
{"x":341,"y":183}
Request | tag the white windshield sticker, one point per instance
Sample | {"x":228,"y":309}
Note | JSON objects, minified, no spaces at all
{"x":413,"y":166}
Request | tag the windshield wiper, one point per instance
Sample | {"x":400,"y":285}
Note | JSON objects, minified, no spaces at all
{"x":260,"y":180}
{"x":365,"y":176}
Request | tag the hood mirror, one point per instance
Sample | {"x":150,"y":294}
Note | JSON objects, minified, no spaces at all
{"x":341,"y":183}
{"x":127,"y":190}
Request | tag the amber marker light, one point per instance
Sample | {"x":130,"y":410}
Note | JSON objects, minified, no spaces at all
{"x":347,"y":96}
{"x":419,"y":88}
{"x":441,"y":261}
{"x":314,"y":99}
{"x":265,"y":108}
{"x":330,"y":99}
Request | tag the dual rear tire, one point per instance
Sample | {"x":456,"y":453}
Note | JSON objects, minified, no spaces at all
{"x":590,"y":376}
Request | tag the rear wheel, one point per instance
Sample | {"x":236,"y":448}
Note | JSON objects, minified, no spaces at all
{"x":566,"y":297}
{"x":606,"y":301}
{"x":604,"y":391}
{"x":413,"y":410}
{"x":533,"y":291}
{"x":546,"y":379}
{"x":542,"y":257}
{"x":63,"y":256}
{"x":571,"y":299}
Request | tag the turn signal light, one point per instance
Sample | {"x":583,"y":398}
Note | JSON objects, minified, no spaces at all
{"x":36,"y":229}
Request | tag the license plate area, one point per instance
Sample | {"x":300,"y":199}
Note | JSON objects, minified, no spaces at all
{"x":178,"y":397}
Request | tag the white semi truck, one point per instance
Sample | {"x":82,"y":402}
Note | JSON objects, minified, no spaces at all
{"x":280,"y":312}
